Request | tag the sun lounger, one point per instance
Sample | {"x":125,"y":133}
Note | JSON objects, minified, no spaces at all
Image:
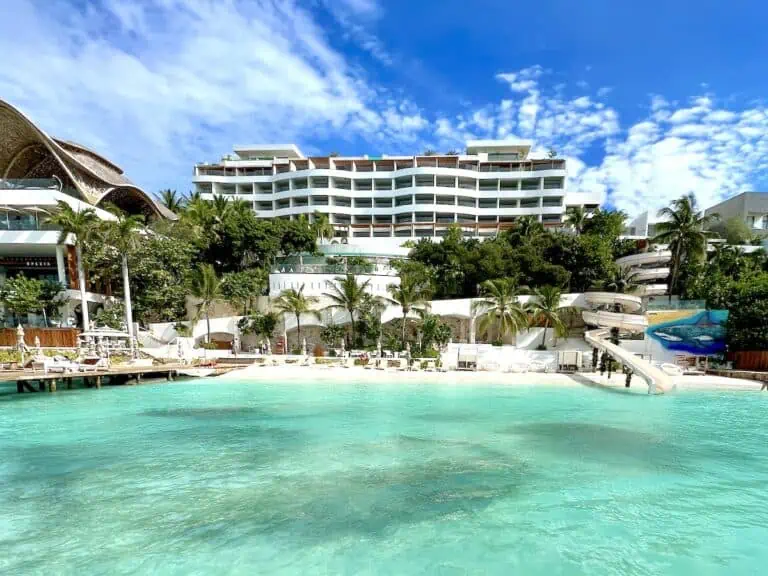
{"x":671,"y":369}
{"x":537,"y":366}
{"x":57,"y":365}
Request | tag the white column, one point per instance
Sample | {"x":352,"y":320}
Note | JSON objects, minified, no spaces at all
{"x":60,"y":266}
{"x":472,"y":330}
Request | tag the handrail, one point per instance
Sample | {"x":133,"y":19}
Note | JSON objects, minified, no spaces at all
{"x":658,"y":382}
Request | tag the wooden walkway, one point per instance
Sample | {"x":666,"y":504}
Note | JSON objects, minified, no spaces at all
{"x":28,"y":381}
{"x":746,"y":374}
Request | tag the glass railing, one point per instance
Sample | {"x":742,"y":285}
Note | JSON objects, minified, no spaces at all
{"x":373,"y":269}
{"x":27,"y":183}
{"x":663,"y":303}
{"x":24,"y":223}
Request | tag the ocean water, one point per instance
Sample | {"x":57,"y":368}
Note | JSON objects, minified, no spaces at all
{"x":290,"y":478}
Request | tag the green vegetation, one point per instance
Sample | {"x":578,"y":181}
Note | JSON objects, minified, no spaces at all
{"x":21,"y":296}
{"x":734,"y":230}
{"x":82,"y":224}
{"x":206,"y":287}
{"x":535,"y":257}
{"x":241,"y":288}
{"x":172,"y":200}
{"x":332,"y":334}
{"x":734,"y":281}
{"x":349,"y":295}
{"x":412,"y":293}
{"x":112,"y":316}
{"x":260,"y":324}
{"x":295,"y":302}
{"x":546,"y":310}
{"x":499,"y":308}
{"x":685,"y":233}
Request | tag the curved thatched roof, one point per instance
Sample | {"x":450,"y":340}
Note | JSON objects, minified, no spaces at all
{"x":28,"y":152}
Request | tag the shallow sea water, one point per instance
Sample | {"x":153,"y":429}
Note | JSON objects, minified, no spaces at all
{"x":235,"y":478}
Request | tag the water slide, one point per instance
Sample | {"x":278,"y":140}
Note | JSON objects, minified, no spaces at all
{"x":658,"y":381}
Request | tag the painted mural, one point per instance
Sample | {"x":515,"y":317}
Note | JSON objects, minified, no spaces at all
{"x":697,"y":332}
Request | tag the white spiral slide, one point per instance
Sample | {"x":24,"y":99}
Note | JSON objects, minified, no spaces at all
{"x":628,"y":320}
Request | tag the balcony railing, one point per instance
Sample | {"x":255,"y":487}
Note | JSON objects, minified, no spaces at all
{"x":24,"y":223}
{"x":372,"y":270}
{"x":28,"y":183}
{"x":663,"y":303}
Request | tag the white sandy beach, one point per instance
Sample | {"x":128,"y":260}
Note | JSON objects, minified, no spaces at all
{"x":313,"y":374}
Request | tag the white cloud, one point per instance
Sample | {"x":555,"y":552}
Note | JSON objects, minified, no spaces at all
{"x":355,"y":17}
{"x":157,"y":86}
{"x":698,"y":147}
{"x":604,"y":91}
{"x":161,"y":84}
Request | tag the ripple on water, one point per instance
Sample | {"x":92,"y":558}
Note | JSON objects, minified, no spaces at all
{"x":240,"y":479}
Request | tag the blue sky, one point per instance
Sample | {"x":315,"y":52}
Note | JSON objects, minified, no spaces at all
{"x":646,"y":100}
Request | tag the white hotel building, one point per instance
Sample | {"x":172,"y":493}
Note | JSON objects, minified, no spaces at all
{"x":483,"y":191}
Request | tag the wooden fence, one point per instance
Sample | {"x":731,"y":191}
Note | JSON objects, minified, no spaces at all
{"x":49,"y":337}
{"x":750,"y":359}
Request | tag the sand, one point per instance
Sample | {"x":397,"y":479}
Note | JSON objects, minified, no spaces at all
{"x":311,"y":374}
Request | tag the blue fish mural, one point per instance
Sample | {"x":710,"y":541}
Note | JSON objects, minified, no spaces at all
{"x":701,"y":334}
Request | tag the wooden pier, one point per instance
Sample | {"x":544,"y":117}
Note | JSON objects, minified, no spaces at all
{"x":27,"y":381}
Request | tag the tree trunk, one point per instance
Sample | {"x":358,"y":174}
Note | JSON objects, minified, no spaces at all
{"x":673,"y":272}
{"x":544,"y":338}
{"x":352,"y":318}
{"x":127,"y":296}
{"x":405,"y":315}
{"x":298,"y":331}
{"x":81,"y":282}
{"x":208,"y":324}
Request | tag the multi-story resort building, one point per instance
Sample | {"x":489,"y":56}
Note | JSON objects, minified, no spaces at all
{"x":36,"y":172}
{"x":751,"y":207}
{"x":483,"y":191}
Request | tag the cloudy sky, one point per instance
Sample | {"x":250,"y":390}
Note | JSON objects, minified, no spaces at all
{"x":647,"y":101}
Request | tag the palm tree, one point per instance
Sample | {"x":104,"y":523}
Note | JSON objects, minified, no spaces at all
{"x":239,"y":206}
{"x":221,"y":207}
{"x":622,"y":280}
{"x":410,"y":294}
{"x":206,"y":287}
{"x":685,"y":233}
{"x":546,"y":308}
{"x":292,"y":301}
{"x":199,"y":211}
{"x":122,"y":234}
{"x":322,"y":226}
{"x":347,"y":294}
{"x":81,"y":224}
{"x":172,"y":200}
{"x":529,"y":226}
{"x":499,"y":307}
{"x":575,"y":217}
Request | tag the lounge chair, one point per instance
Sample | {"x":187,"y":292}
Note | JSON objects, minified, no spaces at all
{"x":671,"y":369}
{"x":59,"y":365}
{"x":537,"y":366}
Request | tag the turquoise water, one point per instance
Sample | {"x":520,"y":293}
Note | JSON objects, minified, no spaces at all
{"x":230,"y":478}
